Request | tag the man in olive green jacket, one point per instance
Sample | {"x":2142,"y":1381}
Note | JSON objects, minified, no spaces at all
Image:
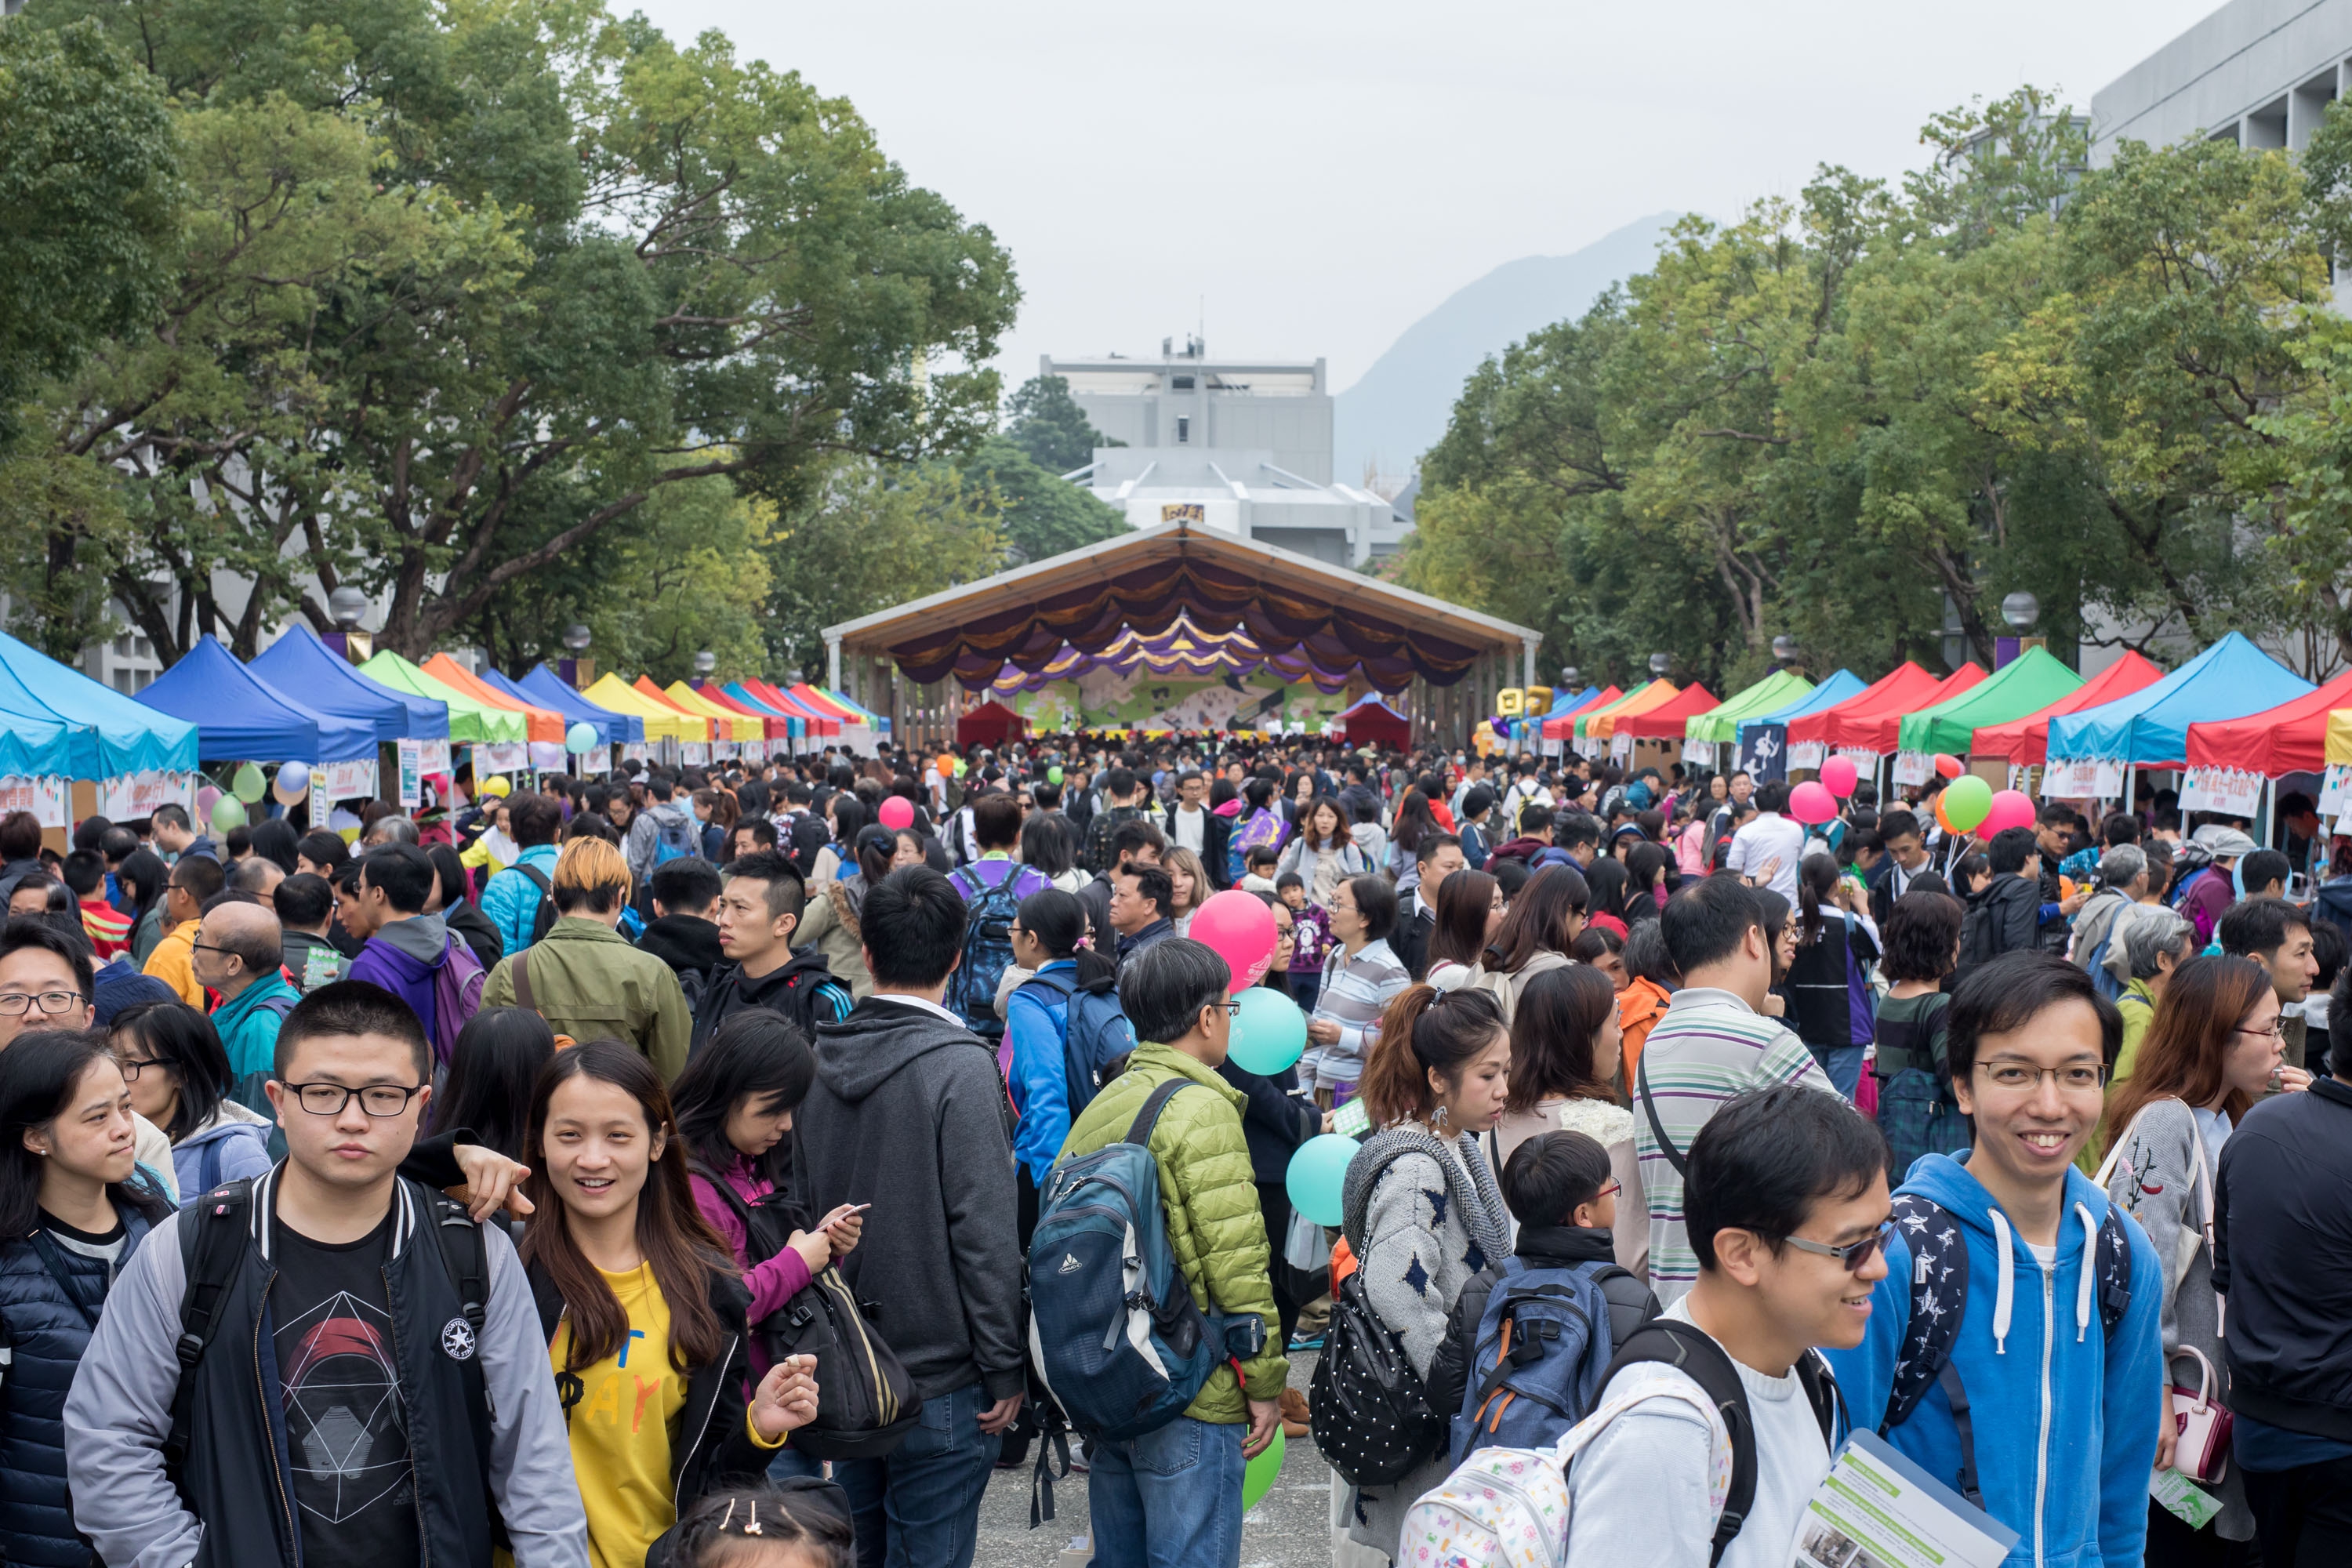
{"x":1180,"y":1487}
{"x":587,"y":981}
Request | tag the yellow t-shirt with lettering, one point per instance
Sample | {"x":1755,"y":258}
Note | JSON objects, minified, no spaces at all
{"x":630,"y":1406}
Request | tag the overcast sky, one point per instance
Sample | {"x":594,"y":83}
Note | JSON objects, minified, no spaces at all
{"x":1313,"y":177}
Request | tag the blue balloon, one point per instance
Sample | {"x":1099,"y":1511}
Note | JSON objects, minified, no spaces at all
{"x":580,"y":738}
{"x":1269,"y":1036}
{"x":1318,"y":1173}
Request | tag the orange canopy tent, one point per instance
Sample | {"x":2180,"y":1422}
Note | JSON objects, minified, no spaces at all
{"x":655,"y":694}
{"x":1563,"y":726}
{"x":2026,"y":741}
{"x":1657,"y":694}
{"x":1665,"y":721}
{"x":539,"y":724}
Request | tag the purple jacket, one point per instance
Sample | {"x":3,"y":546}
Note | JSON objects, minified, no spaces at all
{"x":774,"y":1281}
{"x":402,"y":958}
{"x":2209,"y":898}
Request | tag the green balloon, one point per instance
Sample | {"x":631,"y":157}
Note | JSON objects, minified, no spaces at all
{"x":1967,"y":799}
{"x":1270,"y":1033}
{"x":1258,"y":1478}
{"x":1054,"y":774}
{"x":228,"y":812}
{"x":248,"y":786}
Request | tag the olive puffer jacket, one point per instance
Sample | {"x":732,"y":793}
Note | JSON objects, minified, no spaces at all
{"x":1214,"y":1223}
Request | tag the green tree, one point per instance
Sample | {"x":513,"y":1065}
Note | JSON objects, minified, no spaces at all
{"x":1044,"y":514}
{"x":1045,"y":422}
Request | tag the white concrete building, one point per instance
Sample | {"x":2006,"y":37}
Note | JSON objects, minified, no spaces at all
{"x":1242,"y":445}
{"x":2256,"y":72}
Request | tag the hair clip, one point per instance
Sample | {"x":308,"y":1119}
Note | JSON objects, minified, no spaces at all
{"x":730,"y":1519}
{"x":753,"y":1527}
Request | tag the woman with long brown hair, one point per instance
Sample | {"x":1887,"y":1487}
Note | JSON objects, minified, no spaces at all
{"x":1541,"y":923}
{"x":1469,"y":913}
{"x":2213,"y":1047}
{"x":642,"y":1305}
{"x":1565,"y":1046}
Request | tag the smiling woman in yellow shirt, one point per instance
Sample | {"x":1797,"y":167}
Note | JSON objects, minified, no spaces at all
{"x":643,"y":1308}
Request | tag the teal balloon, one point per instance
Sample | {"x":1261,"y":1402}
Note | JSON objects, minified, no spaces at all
{"x":1257,"y":1477}
{"x":1269,"y":1036}
{"x":1317,"y":1172}
{"x":580,"y":738}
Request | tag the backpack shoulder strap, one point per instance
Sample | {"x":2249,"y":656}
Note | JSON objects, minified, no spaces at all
{"x":1140,"y":1133}
{"x":1674,"y":1156}
{"x":1693,"y":1353}
{"x":1939,"y":1294}
{"x":2115,"y":1264}
{"x":1630,"y":1302}
{"x":538,"y":879}
{"x":724,"y":1188}
{"x":521,"y":977}
{"x":1821,"y":1392}
{"x":212,"y":1249}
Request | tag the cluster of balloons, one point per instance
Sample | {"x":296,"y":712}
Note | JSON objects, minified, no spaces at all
{"x":292,"y":782}
{"x":1816,"y":801}
{"x":1968,"y":805}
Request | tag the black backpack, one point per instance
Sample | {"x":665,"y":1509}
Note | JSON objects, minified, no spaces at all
{"x":867,"y":1402}
{"x":1693,"y":1353}
{"x":543,"y":921}
{"x":1373,"y":1420}
{"x":1940,"y":1273}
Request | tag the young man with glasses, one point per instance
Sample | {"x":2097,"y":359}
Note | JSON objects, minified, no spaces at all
{"x":354,"y":1397}
{"x":1786,"y":1206}
{"x":45,"y":980}
{"x":2014,"y":1344}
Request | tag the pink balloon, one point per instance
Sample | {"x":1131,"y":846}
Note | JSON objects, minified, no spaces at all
{"x":1838,"y":776}
{"x":2011,"y":808}
{"x":207,"y":795}
{"x":897,"y":812}
{"x":1811,"y":802}
{"x":1242,"y":932}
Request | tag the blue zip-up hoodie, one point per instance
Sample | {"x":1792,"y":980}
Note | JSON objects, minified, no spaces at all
{"x":511,"y":899}
{"x":1041,"y":1097}
{"x":2064,"y":1416}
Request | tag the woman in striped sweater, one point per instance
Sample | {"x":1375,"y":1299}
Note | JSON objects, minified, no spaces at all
{"x":1361,"y":976}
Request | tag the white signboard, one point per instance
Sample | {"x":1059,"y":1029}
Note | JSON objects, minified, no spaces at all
{"x":636,"y":751}
{"x":47,"y":795}
{"x":130,"y":796}
{"x":547,"y":756}
{"x":1865,"y":760}
{"x":694,"y":752}
{"x":410,"y":755}
{"x":433,"y":757}
{"x":2083,"y":778}
{"x":2230,"y":791}
{"x":1806,"y":753}
{"x":1914,"y":768}
{"x":1621,"y":747}
{"x":2336,"y":791}
{"x":346,"y":780}
{"x":504,"y":757}
{"x":722,"y":749}
{"x":1699,"y":754}
{"x":1550,"y":748}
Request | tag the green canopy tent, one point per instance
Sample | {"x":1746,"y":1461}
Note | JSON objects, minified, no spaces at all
{"x":1721,"y":722}
{"x":470,"y":722}
{"x":2026,"y":684}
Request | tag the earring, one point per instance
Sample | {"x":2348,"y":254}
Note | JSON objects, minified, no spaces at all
{"x":1440,"y":1120}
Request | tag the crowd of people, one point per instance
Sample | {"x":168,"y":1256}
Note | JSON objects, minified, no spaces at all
{"x":684,"y":1167}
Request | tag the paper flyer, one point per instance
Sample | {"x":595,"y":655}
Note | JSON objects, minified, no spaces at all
{"x":1876,"y":1509}
{"x":2182,"y":1498}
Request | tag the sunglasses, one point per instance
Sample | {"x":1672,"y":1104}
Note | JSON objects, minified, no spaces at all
{"x":1853,"y":1253}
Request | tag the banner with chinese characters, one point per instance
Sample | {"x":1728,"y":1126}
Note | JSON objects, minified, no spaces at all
{"x":2230,"y":791}
{"x":1913,"y":767}
{"x":127,"y":797}
{"x":47,"y":796}
{"x":722,"y":749}
{"x":500,"y":757}
{"x":345,"y":781}
{"x":2336,"y":791}
{"x":2083,"y":778}
{"x":1865,"y":760}
{"x":1699,"y":754}
{"x":1807,"y":754}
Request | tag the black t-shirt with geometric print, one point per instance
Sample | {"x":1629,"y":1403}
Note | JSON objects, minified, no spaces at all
{"x":332,"y":1327}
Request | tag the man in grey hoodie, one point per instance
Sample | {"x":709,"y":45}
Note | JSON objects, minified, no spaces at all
{"x":661,"y":818}
{"x":903,"y":1090}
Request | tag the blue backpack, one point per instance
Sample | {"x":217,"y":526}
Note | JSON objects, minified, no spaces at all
{"x":1095,"y":1033}
{"x":989,"y":908}
{"x":1536,"y":1361}
{"x":1112,"y":1324}
{"x":675,"y":839}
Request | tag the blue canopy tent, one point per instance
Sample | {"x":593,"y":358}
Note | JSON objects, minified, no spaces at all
{"x":1530,"y":728}
{"x":1763,"y":745}
{"x":240,"y":717}
{"x":749,"y":698}
{"x":298,"y":662}
{"x":108,"y":734}
{"x":35,"y":745}
{"x":2149,"y":727}
{"x":543,"y":688}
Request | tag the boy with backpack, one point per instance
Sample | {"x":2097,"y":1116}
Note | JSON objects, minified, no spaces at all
{"x":1521,"y":1362}
{"x":2014,"y":1346}
{"x":992,"y":887}
{"x":1173,"y":1430}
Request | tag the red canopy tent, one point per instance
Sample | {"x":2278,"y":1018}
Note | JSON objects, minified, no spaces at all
{"x":1874,"y":726}
{"x":1906,"y":678}
{"x":1666,"y":720}
{"x":1374,"y":723}
{"x":2026,"y":741}
{"x":773,"y":727}
{"x":2291,"y":738}
{"x":1563,"y":726}
{"x":818,"y":724}
{"x":989,"y":724}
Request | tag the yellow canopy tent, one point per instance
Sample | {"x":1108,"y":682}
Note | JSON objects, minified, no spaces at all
{"x":662,"y":723}
{"x":732,"y":726}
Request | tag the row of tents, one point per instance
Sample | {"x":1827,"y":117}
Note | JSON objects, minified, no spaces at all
{"x":2231,"y":708}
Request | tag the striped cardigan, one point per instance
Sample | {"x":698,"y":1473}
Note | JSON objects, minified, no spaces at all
{"x":1355,"y":992}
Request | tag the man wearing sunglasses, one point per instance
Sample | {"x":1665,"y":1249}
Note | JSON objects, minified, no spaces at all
{"x":1786,"y":1207}
{"x":2014,"y":1343}
{"x":367,"y":1379}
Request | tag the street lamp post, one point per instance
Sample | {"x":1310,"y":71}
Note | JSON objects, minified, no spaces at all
{"x":579,"y":670}
{"x":1659,"y":664}
{"x":2022,"y":610}
{"x":347,"y":607}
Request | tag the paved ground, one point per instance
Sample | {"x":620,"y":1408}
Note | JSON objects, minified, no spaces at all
{"x":1289,"y":1529}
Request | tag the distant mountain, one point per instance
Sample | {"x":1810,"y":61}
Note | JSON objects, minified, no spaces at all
{"x":1398,"y":410}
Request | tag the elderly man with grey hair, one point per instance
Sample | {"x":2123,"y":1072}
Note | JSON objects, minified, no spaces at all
{"x":2123,"y":881}
{"x":389,"y":830}
{"x":2153,"y":941}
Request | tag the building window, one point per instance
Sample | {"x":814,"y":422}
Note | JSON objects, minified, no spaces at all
{"x":1183,"y":429}
{"x":1181,"y":382}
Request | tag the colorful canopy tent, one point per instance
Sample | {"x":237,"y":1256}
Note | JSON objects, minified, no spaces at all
{"x":2025,"y":741}
{"x":2339,"y":738}
{"x":1871,"y":724}
{"x":661,"y":721}
{"x":989,"y":724}
{"x":542,"y":726}
{"x":239,"y":717}
{"x":772,"y":726}
{"x":2150,"y":727}
{"x":873,"y":721}
{"x":1843,"y":687}
{"x":547,"y":688}
{"x":2026,"y":684}
{"x":1599,"y":711}
{"x":726,"y":723}
{"x":784,"y":703}
{"x":1657,"y":694}
{"x":1372,"y":723}
{"x":297,"y":662}
{"x":1668,"y":720}
{"x":855,"y":732}
{"x":1721,"y":722}
{"x":105,"y":734}
{"x":471,"y":723}
{"x":1559,"y":725}
{"x":645,"y":689}
{"x":2291,"y":738}
{"x":796,"y":724}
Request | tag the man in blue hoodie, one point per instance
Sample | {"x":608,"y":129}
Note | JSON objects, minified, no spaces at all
{"x":2058,"y":1371}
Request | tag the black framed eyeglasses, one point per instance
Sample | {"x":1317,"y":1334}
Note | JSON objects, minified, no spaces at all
{"x":16,"y":1005}
{"x":1853,"y":1253}
{"x":133,"y":1066}
{"x":376,"y":1099}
